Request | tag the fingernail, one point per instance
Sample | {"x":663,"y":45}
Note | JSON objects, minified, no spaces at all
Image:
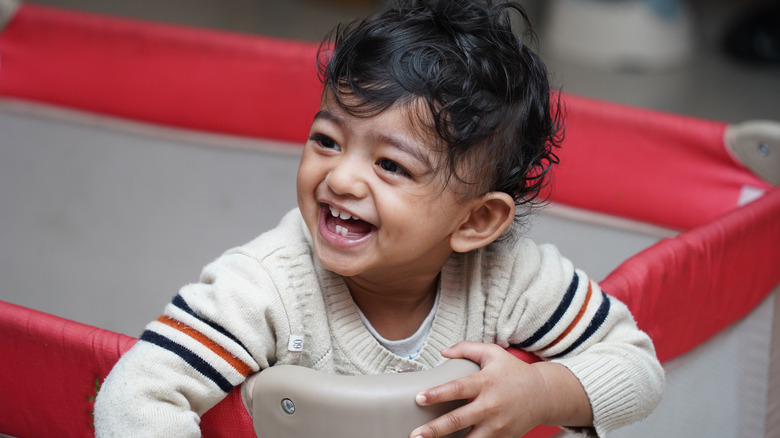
{"x":420,"y":398}
{"x":417,"y":434}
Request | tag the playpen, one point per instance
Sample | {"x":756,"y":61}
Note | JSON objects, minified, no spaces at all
{"x":96,"y":111}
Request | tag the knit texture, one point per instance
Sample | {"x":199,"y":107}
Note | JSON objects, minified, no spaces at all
{"x":270,"y":302}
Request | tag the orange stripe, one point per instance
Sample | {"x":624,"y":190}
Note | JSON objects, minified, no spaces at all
{"x":577,"y":319}
{"x":220,"y":351}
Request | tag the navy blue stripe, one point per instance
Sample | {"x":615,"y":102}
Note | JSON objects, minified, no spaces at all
{"x":556,"y":316}
{"x":191,"y":358}
{"x":179,"y":302}
{"x":595,"y":324}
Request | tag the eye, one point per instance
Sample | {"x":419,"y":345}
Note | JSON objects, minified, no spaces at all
{"x":392,"y":167}
{"x":324,"y":141}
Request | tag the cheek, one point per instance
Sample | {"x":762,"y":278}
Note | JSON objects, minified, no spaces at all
{"x":300,"y":180}
{"x":304,"y":188}
{"x":408,"y":214}
{"x":307,"y":170}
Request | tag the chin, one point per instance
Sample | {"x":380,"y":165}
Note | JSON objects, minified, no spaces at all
{"x":340,"y":269}
{"x":335,"y":262}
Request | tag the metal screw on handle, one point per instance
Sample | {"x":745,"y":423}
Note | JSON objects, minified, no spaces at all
{"x":763,"y":149}
{"x":288,"y":406}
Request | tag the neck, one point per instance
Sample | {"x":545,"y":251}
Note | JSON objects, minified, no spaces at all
{"x":394,"y":310}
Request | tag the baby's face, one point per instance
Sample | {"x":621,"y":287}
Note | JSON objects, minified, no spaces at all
{"x":371,"y":198}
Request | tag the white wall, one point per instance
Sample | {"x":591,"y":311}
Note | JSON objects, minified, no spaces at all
{"x":103,"y":226}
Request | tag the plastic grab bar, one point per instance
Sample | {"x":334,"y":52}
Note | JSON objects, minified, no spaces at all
{"x":294,"y":401}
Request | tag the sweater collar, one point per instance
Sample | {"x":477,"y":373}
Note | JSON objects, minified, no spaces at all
{"x":365,"y":353}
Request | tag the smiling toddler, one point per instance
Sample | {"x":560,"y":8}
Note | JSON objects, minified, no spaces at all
{"x":436,"y":132}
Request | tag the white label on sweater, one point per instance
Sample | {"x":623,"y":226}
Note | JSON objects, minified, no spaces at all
{"x":296,"y":343}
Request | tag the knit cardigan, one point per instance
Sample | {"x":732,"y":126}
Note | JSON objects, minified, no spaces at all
{"x":271,"y":302}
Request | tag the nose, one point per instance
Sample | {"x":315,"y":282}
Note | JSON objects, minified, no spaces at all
{"x":348,"y":178}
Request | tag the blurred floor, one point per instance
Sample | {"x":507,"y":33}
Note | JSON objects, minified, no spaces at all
{"x":709,"y":85}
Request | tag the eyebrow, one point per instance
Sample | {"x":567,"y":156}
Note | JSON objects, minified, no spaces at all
{"x":403,"y":146}
{"x":329,"y":116}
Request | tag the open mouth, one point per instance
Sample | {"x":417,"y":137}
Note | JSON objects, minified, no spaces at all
{"x":344,"y":224}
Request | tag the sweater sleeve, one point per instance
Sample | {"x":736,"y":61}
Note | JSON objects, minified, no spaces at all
{"x":558,"y":313}
{"x":208,"y":340}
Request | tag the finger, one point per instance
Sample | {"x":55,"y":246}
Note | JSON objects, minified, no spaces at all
{"x":477,"y":352}
{"x":464,"y":388}
{"x":448,"y":423}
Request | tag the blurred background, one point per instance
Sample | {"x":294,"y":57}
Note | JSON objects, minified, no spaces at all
{"x":662,"y":54}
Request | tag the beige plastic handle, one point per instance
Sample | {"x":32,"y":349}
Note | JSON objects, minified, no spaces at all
{"x":7,"y":10}
{"x":757,"y":145}
{"x":297,"y":402}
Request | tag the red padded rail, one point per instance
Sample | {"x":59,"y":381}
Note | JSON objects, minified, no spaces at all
{"x":655,"y":167}
{"x":50,"y":370}
{"x":684,"y":290}
{"x":169,"y":75}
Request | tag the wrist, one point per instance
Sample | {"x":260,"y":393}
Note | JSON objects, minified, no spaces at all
{"x":564,"y":401}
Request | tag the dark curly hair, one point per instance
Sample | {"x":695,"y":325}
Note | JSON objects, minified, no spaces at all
{"x":488,"y":94}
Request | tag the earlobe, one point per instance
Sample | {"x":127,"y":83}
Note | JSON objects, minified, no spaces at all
{"x":492,"y":214}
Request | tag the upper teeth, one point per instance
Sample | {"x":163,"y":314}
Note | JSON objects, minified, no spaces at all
{"x":343,"y":215}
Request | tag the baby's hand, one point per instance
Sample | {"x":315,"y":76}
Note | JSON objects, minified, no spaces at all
{"x":247,"y":393}
{"x":504,"y":396}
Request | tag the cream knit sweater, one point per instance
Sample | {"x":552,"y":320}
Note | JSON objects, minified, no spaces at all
{"x":270,"y":302}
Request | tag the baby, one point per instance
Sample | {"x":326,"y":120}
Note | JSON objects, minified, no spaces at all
{"x":435,"y":133}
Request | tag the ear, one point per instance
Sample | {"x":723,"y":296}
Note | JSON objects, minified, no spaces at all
{"x":491,"y":215}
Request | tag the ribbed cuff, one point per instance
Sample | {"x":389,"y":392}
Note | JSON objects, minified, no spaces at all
{"x":610,"y":390}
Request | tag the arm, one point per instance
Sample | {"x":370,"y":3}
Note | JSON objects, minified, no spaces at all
{"x":597,"y":363}
{"x":508,"y":396}
{"x":210,"y":337}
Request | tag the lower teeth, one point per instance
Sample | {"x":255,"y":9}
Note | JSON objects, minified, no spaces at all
{"x":341,"y":230}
